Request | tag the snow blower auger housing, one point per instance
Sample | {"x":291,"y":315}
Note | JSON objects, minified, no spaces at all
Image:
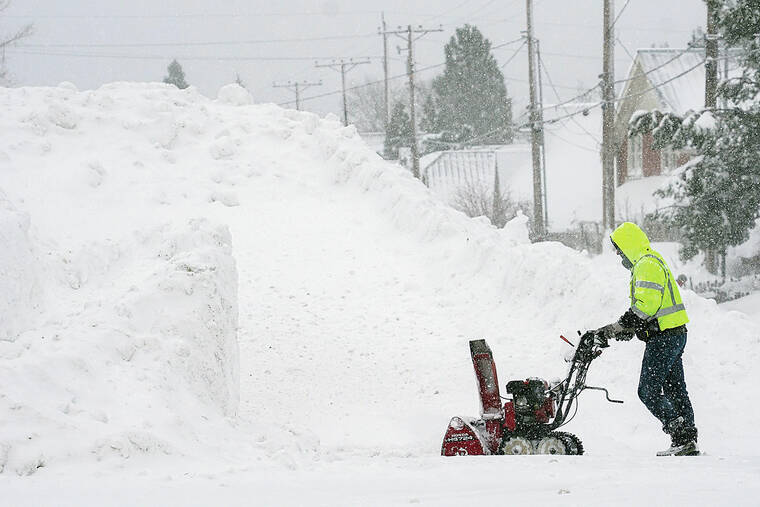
{"x":527,"y":422}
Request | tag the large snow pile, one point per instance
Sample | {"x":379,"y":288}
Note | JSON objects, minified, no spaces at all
{"x":137,"y":340}
{"x":19,"y":284}
{"x":355,"y":295}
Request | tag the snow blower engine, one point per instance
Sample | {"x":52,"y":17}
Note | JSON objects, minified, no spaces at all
{"x":527,"y":423}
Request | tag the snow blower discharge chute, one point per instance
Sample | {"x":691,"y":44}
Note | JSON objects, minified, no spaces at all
{"x":527,"y":423}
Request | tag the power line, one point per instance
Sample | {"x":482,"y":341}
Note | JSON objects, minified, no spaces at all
{"x":422,"y":69}
{"x":514,"y":54}
{"x":472,"y":17}
{"x":620,"y":13}
{"x":296,"y":87}
{"x":556,"y":93}
{"x":480,"y":9}
{"x":571,"y":114}
{"x":196,"y":15}
{"x":663,"y":64}
{"x":580,"y":146}
{"x":630,"y":55}
{"x":597,"y":104}
{"x":620,"y":99}
{"x":573,"y":99}
{"x":410,"y":70}
{"x":508,"y":43}
{"x":343,"y":66}
{"x":457,"y":6}
{"x":570,"y":55}
{"x":179,"y":57}
{"x":397,"y":76}
{"x":511,"y":20}
{"x":207,"y":43}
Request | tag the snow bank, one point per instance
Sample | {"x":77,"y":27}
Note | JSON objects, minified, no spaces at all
{"x":146,"y":347}
{"x":136,"y":350}
{"x":235,"y":95}
{"x":19,"y":283}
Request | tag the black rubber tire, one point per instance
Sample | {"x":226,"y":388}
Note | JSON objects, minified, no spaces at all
{"x":572,"y":443}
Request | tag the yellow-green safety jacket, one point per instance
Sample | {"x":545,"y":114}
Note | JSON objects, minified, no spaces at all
{"x":654,"y":292}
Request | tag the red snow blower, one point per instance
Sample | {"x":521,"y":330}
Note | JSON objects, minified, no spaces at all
{"x":527,"y":423}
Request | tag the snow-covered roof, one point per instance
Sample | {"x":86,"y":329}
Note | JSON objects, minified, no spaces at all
{"x":678,"y":75}
{"x":683,"y":93}
{"x":573,"y":166}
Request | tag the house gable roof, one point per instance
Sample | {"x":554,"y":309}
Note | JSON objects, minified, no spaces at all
{"x":661,"y":68}
{"x":668,"y":79}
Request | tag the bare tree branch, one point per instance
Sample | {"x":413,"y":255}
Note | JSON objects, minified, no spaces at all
{"x":477,"y":198}
{"x":21,"y":33}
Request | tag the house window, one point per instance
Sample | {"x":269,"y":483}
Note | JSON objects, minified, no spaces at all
{"x":669,"y":159}
{"x":635,"y":162}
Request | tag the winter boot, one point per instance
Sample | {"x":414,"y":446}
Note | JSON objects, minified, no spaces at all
{"x":683,"y":437}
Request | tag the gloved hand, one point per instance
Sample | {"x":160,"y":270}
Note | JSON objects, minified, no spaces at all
{"x":600,"y":339}
{"x":615,"y":331}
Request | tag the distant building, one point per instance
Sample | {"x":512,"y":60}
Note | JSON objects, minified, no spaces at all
{"x":374,"y":140}
{"x":448,"y":172}
{"x":651,"y":84}
{"x":573,"y":167}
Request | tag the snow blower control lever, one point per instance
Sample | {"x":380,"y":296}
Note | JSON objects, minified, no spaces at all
{"x":528,"y":422}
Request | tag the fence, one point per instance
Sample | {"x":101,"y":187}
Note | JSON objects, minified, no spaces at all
{"x":450,"y":170}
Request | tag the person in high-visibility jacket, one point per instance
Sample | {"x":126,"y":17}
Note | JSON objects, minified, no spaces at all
{"x":658,"y":317}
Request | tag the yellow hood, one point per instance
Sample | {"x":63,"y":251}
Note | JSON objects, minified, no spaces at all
{"x":631,"y":240}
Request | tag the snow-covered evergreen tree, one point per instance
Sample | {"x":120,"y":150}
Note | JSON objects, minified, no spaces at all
{"x":471,"y":103}
{"x":717,"y":197}
{"x":399,"y":131}
{"x":176,"y":75}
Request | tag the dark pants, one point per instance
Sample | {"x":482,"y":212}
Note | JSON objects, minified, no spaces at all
{"x":662,"y":387}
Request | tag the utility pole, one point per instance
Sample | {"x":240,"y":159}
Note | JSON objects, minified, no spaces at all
{"x":543,"y":137}
{"x":608,"y":120}
{"x":711,"y":61}
{"x":536,"y":131}
{"x":412,"y":117}
{"x":387,"y":95}
{"x":711,"y":87}
{"x":343,"y":66}
{"x":408,"y":34}
{"x":297,"y":87}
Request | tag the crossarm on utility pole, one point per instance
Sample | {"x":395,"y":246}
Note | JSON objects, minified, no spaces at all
{"x":297,"y":87}
{"x":407,"y":34}
{"x":343,"y":66}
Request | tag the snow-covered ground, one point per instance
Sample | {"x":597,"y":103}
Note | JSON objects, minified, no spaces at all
{"x":211,"y":301}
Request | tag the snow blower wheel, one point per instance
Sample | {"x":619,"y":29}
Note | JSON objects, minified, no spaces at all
{"x":516,"y":445}
{"x":551,"y":445}
{"x":527,"y":422}
{"x":572,"y":443}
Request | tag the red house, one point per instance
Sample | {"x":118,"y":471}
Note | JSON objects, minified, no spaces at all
{"x":652,"y":83}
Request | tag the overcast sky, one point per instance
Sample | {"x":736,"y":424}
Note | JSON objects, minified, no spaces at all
{"x":92,"y":42}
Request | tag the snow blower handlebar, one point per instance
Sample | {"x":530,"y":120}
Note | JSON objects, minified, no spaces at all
{"x":569,"y":389}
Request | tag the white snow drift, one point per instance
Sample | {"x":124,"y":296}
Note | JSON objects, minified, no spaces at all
{"x":155,"y":231}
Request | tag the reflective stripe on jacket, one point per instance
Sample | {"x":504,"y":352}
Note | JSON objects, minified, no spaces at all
{"x":654,"y":294}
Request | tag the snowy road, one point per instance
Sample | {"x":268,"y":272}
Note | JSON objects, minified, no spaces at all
{"x":529,"y":480}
